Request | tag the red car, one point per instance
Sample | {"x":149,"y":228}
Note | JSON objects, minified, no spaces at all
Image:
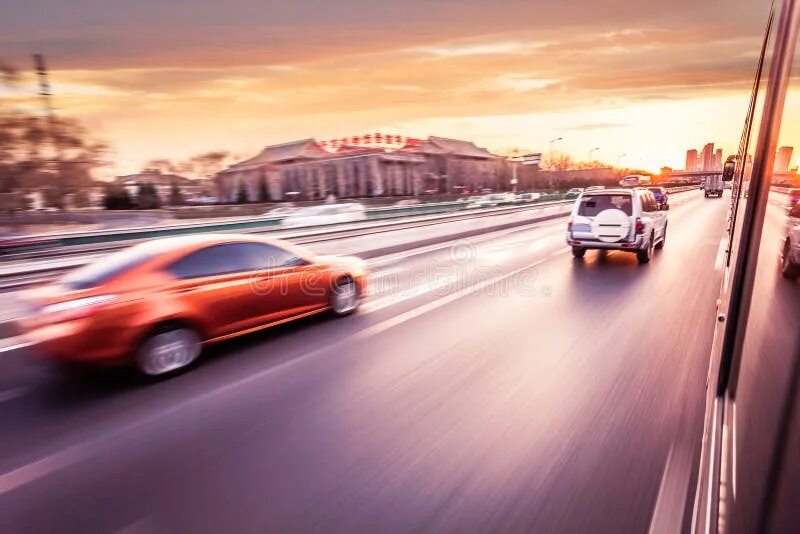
{"x":157,"y":303}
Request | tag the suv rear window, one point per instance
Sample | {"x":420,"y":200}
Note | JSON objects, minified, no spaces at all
{"x":591,"y":205}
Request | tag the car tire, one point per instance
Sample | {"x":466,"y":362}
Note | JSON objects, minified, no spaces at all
{"x":578,"y":252}
{"x":645,"y":255}
{"x":344,"y":297}
{"x":168,"y":349}
{"x":663,"y":241}
{"x":789,"y":269}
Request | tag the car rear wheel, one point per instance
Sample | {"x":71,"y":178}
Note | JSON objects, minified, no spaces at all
{"x":168,"y":349}
{"x":663,"y":241}
{"x":646,"y":254}
{"x":578,"y":252}
{"x":344,"y":299}
{"x":789,"y":269}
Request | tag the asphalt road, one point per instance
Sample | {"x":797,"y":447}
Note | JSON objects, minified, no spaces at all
{"x":494,"y":384}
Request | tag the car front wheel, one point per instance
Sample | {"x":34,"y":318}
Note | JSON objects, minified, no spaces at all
{"x":578,"y":252}
{"x":344,"y":298}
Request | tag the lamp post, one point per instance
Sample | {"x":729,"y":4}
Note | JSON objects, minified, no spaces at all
{"x":592,"y":151}
{"x":552,"y":163}
{"x":513,"y":159}
{"x":619,"y":159}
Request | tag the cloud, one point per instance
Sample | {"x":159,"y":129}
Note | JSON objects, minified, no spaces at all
{"x":181,"y":74}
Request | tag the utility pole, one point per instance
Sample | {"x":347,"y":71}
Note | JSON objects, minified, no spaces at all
{"x":44,"y":85}
{"x":46,"y":96}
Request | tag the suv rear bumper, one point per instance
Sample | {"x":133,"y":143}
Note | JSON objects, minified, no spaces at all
{"x":591,"y":244}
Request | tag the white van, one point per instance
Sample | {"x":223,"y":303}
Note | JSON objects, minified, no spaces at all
{"x":617,"y":219}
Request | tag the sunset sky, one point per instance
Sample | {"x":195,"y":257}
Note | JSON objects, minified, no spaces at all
{"x":170,"y":79}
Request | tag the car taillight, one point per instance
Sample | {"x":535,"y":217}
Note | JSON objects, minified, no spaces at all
{"x":569,"y":225}
{"x":639,"y":226}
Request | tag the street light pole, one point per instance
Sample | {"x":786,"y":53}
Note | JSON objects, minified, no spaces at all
{"x":619,"y":159}
{"x":592,"y":152}
{"x":552,"y":163}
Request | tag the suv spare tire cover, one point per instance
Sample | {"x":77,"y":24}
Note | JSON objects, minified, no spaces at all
{"x":612,"y":225}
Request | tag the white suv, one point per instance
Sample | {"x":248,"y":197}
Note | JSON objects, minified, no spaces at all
{"x":790,"y":253}
{"x":617,"y":219}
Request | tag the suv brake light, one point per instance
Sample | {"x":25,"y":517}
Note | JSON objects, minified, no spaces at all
{"x":639,"y":226}
{"x":569,"y":225}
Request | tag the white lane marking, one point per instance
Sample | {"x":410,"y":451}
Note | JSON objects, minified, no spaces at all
{"x":438,"y":303}
{"x":658,"y":509}
{"x":668,"y":511}
{"x":11,"y":394}
{"x":48,"y":465}
{"x":498,"y":234}
{"x":16,"y":345}
{"x":723,"y":248}
{"x":377,"y":275}
{"x":408,"y":293}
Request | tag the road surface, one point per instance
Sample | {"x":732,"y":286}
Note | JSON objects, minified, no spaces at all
{"x":494,"y":384}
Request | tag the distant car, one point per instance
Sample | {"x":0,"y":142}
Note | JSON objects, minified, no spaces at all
{"x":325,"y":214}
{"x":280,"y":212}
{"x":661,"y":197}
{"x":156,"y":304}
{"x":503,"y":198}
{"x":595,"y":187}
{"x":635,"y":180}
{"x":481,"y":201}
{"x":528,"y":197}
{"x":617,"y":219}
{"x":574,"y":192}
{"x":408,"y":202}
{"x":790,"y":253}
{"x":794,"y":197}
{"x":204,"y":200}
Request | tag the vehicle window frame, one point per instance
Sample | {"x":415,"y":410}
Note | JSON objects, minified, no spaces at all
{"x":170,"y":268}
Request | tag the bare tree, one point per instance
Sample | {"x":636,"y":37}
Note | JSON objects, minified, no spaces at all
{"x":26,"y":160}
{"x":9,"y":75}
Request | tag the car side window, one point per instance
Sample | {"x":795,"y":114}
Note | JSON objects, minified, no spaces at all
{"x":646,"y":202}
{"x":263,"y":256}
{"x":232,"y":258}
{"x":210,"y":261}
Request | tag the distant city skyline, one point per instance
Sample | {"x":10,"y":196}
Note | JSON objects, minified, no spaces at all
{"x":707,"y":159}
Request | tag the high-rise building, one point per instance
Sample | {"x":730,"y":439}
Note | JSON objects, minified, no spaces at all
{"x":718,"y":160}
{"x":691,"y":160}
{"x":783,"y":159}
{"x":708,"y":157}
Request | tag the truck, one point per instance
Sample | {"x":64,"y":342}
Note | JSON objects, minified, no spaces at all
{"x":713,"y":186}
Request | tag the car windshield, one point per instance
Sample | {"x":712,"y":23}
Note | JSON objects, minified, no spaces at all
{"x":591,"y":205}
